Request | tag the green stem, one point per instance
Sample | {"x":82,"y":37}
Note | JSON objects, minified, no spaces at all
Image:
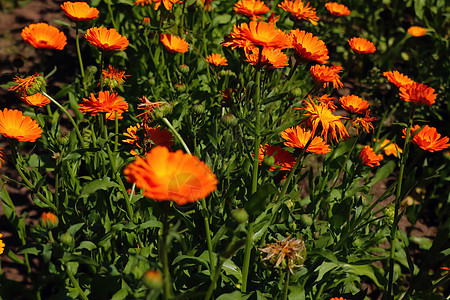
{"x":175,"y":132}
{"x":341,"y":170}
{"x":102,"y":57}
{"x":165,"y":258}
{"x":208,"y":238}
{"x":116,"y":132}
{"x":80,"y":59}
{"x":75,"y":283}
{"x":111,"y":14}
{"x":288,"y":79}
{"x":286,"y":285}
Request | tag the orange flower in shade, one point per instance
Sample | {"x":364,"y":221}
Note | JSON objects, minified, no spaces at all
{"x":300,"y":11}
{"x":175,"y":176}
{"x":390,"y":148}
{"x":325,"y":75}
{"x":106,"y":39}
{"x":174,"y":44}
{"x":217,"y":59}
{"x":251,"y":8}
{"x":44,"y":36}
{"x":79,"y":11}
{"x":37,"y":99}
{"x":160,"y":137}
{"x":298,"y":137}
{"x":338,"y":298}
{"x":143,"y":2}
{"x":2,"y":245}
{"x":354,"y":104}
{"x":270,"y":58}
{"x":417,"y":31}
{"x":28,"y":85}
{"x":321,"y":116}
{"x":15,"y":125}
{"x":282,"y":157}
{"x":131,"y":134}
{"x":428,"y":139}
{"x":369,"y":157}
{"x":308,"y":47}
{"x":168,"y":4}
{"x":398,"y":78}
{"x":336,"y":9}
{"x":2,"y":158}
{"x":152,"y":136}
{"x":364,"y":123}
{"x":418,"y":93}
{"x":327,"y":101}
{"x":361,"y":46}
{"x":113,"y":77}
{"x":106,"y":102}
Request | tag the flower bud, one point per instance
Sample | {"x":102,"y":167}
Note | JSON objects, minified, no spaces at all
{"x":161,"y":111}
{"x":240,"y":215}
{"x":199,"y":108}
{"x":63,"y":138}
{"x":389,"y":212}
{"x":180,"y":87}
{"x":153,"y":279}
{"x":269,"y":161}
{"x":151,"y":81}
{"x":67,"y":239}
{"x":296,"y":92}
{"x":183,"y":69}
{"x":38,"y":86}
{"x":306,"y":220}
{"x":227,"y":73}
{"x":146,"y":21}
{"x":229,"y":120}
{"x":48,"y":220}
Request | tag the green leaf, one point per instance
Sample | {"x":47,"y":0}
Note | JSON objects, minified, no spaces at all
{"x":31,"y":250}
{"x":419,"y":6}
{"x":74,"y":228}
{"x":189,"y":260}
{"x":383,"y":172}
{"x":296,"y":292}
{"x":236,"y":295}
{"x":121,"y":294}
{"x":257,"y":202}
{"x":151,"y":224}
{"x":86,"y":245}
{"x":230,"y":268}
{"x":99,"y":184}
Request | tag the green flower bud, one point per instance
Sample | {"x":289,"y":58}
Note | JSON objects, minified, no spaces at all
{"x":38,"y":86}
{"x":306,"y":220}
{"x":229,"y":73}
{"x":180,"y":87}
{"x":229,"y":120}
{"x":240,"y":215}
{"x":151,"y":81}
{"x":67,"y":239}
{"x":161,"y":111}
{"x":183,"y":69}
{"x":389,"y":212}
{"x":296,"y":92}
{"x":199,"y":108}
{"x":269,"y":161}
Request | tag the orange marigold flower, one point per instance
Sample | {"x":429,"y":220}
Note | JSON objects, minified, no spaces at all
{"x":131,"y":134}
{"x":354,"y":104}
{"x":168,"y":4}
{"x":325,"y":75}
{"x":361,"y":46}
{"x":113,"y":77}
{"x":251,"y":8}
{"x":2,"y":245}
{"x":390,"y":148}
{"x":338,"y":298}
{"x":79,"y":11}
{"x":428,"y":139}
{"x":217,"y":59}
{"x":160,"y":137}
{"x":48,"y":220}
{"x":327,"y":101}
{"x":174,"y":44}
{"x":270,"y":58}
{"x":37,"y":99}
{"x":106,"y":39}
{"x":44,"y":36}
{"x":417,"y":31}
{"x":336,"y":9}
{"x":308,"y":47}
{"x":397,"y":78}
{"x":298,"y":137}
{"x":300,"y":11}
{"x":15,"y":125}
{"x":143,"y":2}
{"x":364,"y":123}
{"x":29,"y":85}
{"x":2,"y":159}
{"x":106,"y":102}
{"x":175,"y":176}
{"x":418,"y":93}
{"x":282,"y":157}
{"x":369,"y":157}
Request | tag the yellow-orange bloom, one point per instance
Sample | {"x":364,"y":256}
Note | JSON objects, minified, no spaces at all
{"x":282,"y":157}
{"x":44,"y":36}
{"x":174,"y":44}
{"x":354,"y":104}
{"x":417,"y":31}
{"x":300,"y":11}
{"x":106,"y":39}
{"x":270,"y":58}
{"x":428,"y":139}
{"x":397,"y":78}
{"x":325,"y":75}
{"x":143,"y":2}
{"x":113,"y":77}
{"x":251,"y":8}
{"x":106,"y":102}
{"x":361,"y":45}
{"x":308,"y":47}
{"x":15,"y":125}
{"x":37,"y":99}
{"x":2,"y":245}
{"x":418,"y":93}
{"x":175,"y":176}
{"x":336,"y":9}
{"x":369,"y":157}
{"x":168,"y":4}
{"x":298,"y":137}
{"x":79,"y":11}
{"x":390,"y":148}
{"x":217,"y":59}
{"x":48,"y":220}
{"x":327,"y":101}
{"x":364,"y":123}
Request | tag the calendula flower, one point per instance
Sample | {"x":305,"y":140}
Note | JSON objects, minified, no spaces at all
{"x":48,"y":220}
{"x":131,"y":134}
{"x":143,"y":2}
{"x":168,"y":4}
{"x":106,"y":102}
{"x":150,"y":137}
{"x":2,"y":245}
{"x":146,"y":21}
{"x":300,"y":11}
{"x":364,"y":123}
{"x":289,"y":253}
{"x":361,"y":45}
{"x":298,"y":137}
{"x":327,"y":101}
{"x":217,"y":59}
{"x":418,"y":93}
{"x":79,"y":11}
{"x":2,"y":157}
{"x":417,"y":31}
{"x":175,"y":176}
{"x":398,"y":78}
{"x":15,"y":125}
{"x":369,"y":157}
{"x":174,"y":44}
{"x":428,"y":139}
{"x":326,"y":74}
{"x":106,"y":39}
{"x":282,"y":157}
{"x":308,"y":47}
{"x":270,"y":58}
{"x":113,"y":77}
{"x":29,"y":85}
{"x":336,"y":9}
{"x":390,"y":148}
{"x":37,"y":99}
{"x":44,"y":36}
{"x":354,"y":104}
{"x":159,"y":136}
{"x":251,"y":8}
{"x":338,"y":298}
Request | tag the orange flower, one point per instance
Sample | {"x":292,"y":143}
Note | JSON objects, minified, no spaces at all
{"x":106,"y":102}
{"x":168,"y":4}
{"x":79,"y":11}
{"x":207,"y":4}
{"x":325,"y":75}
{"x":322,"y":115}
{"x":2,"y":245}
{"x":251,"y":8}
{"x":217,"y":59}
{"x":106,"y":39}
{"x":336,"y":9}
{"x":428,"y":139}
{"x":270,"y":58}
{"x":418,"y":93}
{"x":2,"y":160}
{"x":174,"y":44}
{"x":369,"y":157}
{"x":131,"y":134}
{"x":160,"y":137}
{"x":300,"y":11}
{"x":338,"y":298}
{"x":364,"y":123}
{"x":143,"y":2}
{"x":282,"y":157}
{"x":113,"y":77}
{"x":48,"y":220}
{"x":44,"y":36}
{"x":390,"y":148}
{"x":361,"y":46}
{"x":29,"y":85}
{"x":354,"y":104}
{"x":175,"y":176}
{"x":37,"y":99}
{"x":15,"y":125}
{"x":398,"y":78}
{"x":155,"y":136}
{"x":327,"y":101}
{"x":308,"y":47}
{"x":298,"y":137}
{"x":417,"y":31}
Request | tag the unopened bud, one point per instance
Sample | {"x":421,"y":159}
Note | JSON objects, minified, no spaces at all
{"x":227,"y":73}
{"x":67,"y":239}
{"x":240,"y":215}
{"x":306,"y":220}
{"x":269,"y":161}
{"x":199,"y":108}
{"x":229,"y":120}
{"x":183,"y":69}
{"x":296,"y":92}
{"x":38,"y":86}
{"x":161,"y":111}
{"x":389,"y":212}
{"x":180,"y":87}
{"x":48,"y":220}
{"x":153,"y":279}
